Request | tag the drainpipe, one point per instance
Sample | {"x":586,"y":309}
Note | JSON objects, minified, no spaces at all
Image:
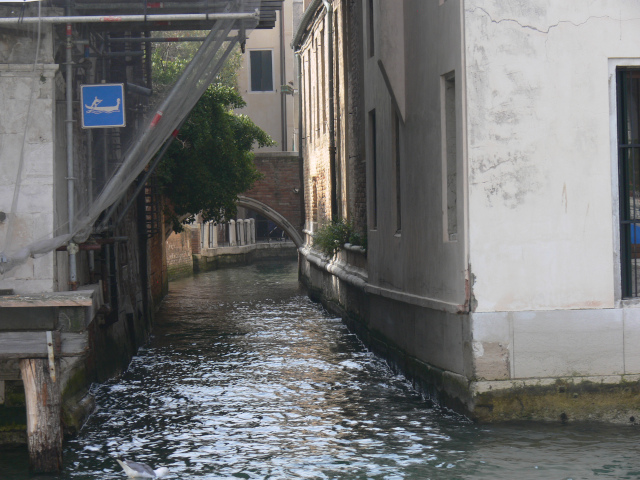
{"x":300,"y":156}
{"x":92,"y":261}
{"x":73,"y":278}
{"x":299,"y":83}
{"x":283,"y":76}
{"x":332,"y":140}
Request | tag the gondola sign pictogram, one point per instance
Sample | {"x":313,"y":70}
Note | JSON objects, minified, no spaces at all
{"x":102,"y":105}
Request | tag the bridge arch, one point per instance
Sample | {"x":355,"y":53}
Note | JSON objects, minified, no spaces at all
{"x":268,"y":212}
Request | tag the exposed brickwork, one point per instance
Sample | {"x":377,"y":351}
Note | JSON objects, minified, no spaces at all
{"x":195,"y":239}
{"x":157,"y":269}
{"x":349,"y":116}
{"x":158,"y":280}
{"x":357,"y":168}
{"x":179,"y":254}
{"x":278,"y":187}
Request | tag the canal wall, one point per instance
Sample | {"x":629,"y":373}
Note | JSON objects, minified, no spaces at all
{"x":458,"y":360}
{"x":206,"y":247}
{"x":439,"y":354}
{"x":392,"y":329}
{"x":179,"y":250}
{"x":224,"y":257}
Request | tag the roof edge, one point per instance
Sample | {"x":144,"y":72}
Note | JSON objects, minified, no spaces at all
{"x":307,"y":16}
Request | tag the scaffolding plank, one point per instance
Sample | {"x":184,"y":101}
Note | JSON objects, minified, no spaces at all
{"x":34,"y":344}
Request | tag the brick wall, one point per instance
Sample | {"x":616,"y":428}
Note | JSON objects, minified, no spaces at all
{"x":195,"y":239}
{"x":179,"y":254}
{"x":158,"y":279}
{"x":349,"y":117}
{"x":354,"y":67}
{"x":278,"y":187}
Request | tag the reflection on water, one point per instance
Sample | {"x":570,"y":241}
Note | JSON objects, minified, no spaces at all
{"x":247,"y":378}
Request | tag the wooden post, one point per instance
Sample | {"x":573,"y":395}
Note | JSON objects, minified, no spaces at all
{"x":44,"y":429}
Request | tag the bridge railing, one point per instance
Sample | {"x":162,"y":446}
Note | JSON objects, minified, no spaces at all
{"x":235,"y":233}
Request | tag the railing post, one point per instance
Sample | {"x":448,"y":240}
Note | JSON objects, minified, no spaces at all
{"x":214,"y":239}
{"x":240,"y":226}
{"x":232,"y":233}
{"x":205,"y":239}
{"x":252,"y":230}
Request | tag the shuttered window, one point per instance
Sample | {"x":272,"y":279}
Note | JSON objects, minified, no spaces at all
{"x":261,"y":70}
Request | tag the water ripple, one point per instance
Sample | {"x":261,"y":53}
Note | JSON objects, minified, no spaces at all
{"x":247,"y":378}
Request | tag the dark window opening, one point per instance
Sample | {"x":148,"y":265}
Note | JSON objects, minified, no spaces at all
{"x":370,"y":22}
{"x":450,"y":169}
{"x":396,"y":159}
{"x":374,"y":169}
{"x":261,"y":71}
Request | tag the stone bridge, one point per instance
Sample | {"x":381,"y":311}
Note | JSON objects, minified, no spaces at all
{"x":278,"y":195}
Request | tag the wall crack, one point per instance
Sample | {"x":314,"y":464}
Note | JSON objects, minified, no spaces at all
{"x":531,"y":27}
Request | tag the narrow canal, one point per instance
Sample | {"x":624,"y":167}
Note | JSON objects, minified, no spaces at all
{"x":245,"y":377}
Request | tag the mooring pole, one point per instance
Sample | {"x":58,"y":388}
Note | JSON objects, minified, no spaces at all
{"x":44,"y":427}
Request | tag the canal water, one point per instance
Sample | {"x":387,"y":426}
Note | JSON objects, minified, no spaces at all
{"x":245,"y":377}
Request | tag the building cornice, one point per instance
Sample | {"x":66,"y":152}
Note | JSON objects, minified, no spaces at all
{"x":305,"y":22}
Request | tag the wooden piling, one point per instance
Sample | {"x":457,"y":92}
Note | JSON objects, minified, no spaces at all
{"x":44,"y":428}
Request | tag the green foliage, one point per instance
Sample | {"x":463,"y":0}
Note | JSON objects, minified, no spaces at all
{"x":211,"y":161}
{"x":330,"y":238}
{"x":170,"y":59}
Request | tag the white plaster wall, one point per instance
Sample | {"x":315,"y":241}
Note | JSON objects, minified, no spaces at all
{"x":391,"y":42}
{"x":416,"y":265}
{"x":541,"y":192}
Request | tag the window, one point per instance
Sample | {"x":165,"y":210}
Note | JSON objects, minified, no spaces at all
{"x":371,"y":32}
{"x":261,"y":71}
{"x":449,"y":157}
{"x":374,"y":169}
{"x":628,"y":99}
{"x":396,"y":158}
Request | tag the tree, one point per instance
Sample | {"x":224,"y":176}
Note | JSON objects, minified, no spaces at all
{"x":169,"y":59}
{"x":211,"y":161}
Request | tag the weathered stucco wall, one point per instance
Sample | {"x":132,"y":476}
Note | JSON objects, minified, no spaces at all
{"x":541,"y":192}
{"x":22,"y":87}
{"x":420,"y":259}
{"x":543,"y":187}
{"x":264,"y":108}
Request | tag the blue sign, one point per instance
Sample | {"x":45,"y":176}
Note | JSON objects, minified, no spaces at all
{"x":102,"y":105}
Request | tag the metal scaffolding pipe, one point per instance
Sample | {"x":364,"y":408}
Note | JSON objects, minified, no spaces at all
{"x":130,"y":18}
{"x":161,"y":154}
{"x":158,"y":39}
{"x":217,"y":43}
{"x":151,"y":5}
{"x":71,"y":212}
